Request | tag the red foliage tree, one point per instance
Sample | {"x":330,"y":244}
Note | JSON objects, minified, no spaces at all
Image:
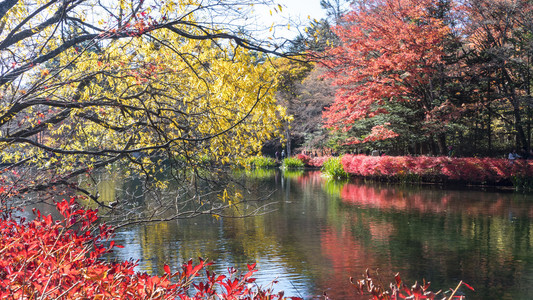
{"x":390,"y":52}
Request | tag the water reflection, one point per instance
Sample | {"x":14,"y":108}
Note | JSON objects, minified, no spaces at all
{"x":436,"y":201}
{"x":324,"y":232}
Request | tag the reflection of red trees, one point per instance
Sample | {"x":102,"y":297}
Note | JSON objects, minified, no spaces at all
{"x":384,"y":198}
{"x":343,"y":250}
{"x":348,"y":258}
{"x":311,"y":177}
{"x":429,"y":201}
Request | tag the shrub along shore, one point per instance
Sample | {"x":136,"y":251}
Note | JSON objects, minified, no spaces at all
{"x":63,"y":259}
{"x":426,"y":169}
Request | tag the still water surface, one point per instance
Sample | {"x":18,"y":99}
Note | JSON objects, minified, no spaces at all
{"x":322,"y":233}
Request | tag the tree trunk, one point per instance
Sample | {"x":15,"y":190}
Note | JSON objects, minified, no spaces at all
{"x":441,"y":142}
{"x":521,"y":141}
{"x":509,"y":88}
{"x":288,"y":136}
{"x":489,"y":128}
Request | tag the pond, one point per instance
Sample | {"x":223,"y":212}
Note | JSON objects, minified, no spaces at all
{"x":321,"y":233}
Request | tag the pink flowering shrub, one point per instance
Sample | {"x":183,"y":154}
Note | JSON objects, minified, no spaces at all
{"x":304,"y":158}
{"x":317,"y":161}
{"x":469,"y":169}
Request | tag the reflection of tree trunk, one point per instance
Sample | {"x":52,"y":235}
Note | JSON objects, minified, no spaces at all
{"x":287,"y":190}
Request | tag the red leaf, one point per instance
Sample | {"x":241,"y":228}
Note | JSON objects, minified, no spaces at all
{"x":252,"y":266}
{"x":469,"y":286}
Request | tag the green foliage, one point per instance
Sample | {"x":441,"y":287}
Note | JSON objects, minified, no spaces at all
{"x":333,"y":187}
{"x":408,"y":177}
{"x":260,"y":173}
{"x":333,"y":168}
{"x":522,"y":183}
{"x":290,"y":74}
{"x":293,"y":163}
{"x":260,"y":162}
{"x":294,"y":173}
{"x":318,"y":37}
{"x":402,"y":119}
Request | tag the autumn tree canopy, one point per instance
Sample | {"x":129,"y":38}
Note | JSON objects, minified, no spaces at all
{"x":390,"y":52}
{"x":87,"y":83}
{"x":437,"y":74}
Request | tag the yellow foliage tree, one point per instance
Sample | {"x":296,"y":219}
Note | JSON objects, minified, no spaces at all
{"x":85,"y":84}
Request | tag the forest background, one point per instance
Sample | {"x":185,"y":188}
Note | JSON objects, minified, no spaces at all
{"x":415,"y":77}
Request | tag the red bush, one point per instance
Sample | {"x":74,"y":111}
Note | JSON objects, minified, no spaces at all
{"x":400,"y":290}
{"x":471,"y":169}
{"x":318,"y":161}
{"x":304,"y":158}
{"x":47,"y":259}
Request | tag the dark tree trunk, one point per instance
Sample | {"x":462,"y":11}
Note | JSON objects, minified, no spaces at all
{"x":441,"y":142}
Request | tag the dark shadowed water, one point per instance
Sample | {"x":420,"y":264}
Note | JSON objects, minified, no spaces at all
{"x":322,"y":233}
